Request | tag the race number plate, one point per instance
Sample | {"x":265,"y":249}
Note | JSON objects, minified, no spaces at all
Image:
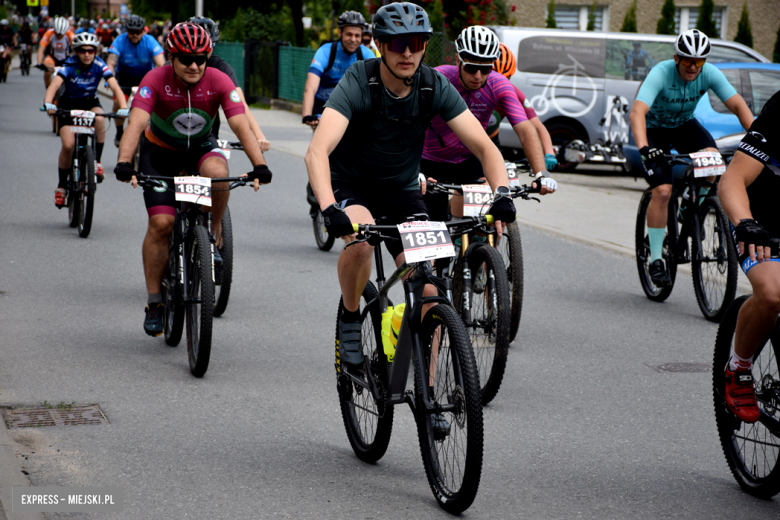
{"x":707,"y":163}
{"x":511,"y":172}
{"x":476,"y":199}
{"x":193,"y":189}
{"x":425,"y":241}
{"x":83,"y":122}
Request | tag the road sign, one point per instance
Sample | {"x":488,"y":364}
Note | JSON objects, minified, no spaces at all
{"x":32,"y":3}
{"x":44,"y":3}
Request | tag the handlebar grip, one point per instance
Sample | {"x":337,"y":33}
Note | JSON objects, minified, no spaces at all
{"x":356,"y":228}
{"x":489,"y":219}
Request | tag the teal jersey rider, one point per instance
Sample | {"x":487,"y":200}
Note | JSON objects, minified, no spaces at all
{"x":672,"y":101}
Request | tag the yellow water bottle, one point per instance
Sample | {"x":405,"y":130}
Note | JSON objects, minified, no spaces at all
{"x":387,"y":333}
{"x":398,"y":316}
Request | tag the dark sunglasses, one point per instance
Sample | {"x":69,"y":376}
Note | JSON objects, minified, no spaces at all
{"x":189,"y":59}
{"x":87,"y":50}
{"x":134,"y":33}
{"x":687,"y":62}
{"x":471,"y":68}
{"x":400,"y":43}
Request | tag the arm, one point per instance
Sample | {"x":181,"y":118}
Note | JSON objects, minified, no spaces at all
{"x":120,"y":97}
{"x":309,"y":89}
{"x":159,"y":60}
{"x":112,"y":61}
{"x":322,"y":144}
{"x":740,"y":109}
{"x":544,"y":135}
{"x":532,"y":146}
{"x":41,"y":48}
{"x":732,"y":189}
{"x":55,"y":84}
{"x":135,"y":125}
{"x":637,"y":116}
{"x":262,"y":141}
{"x":240,"y":126}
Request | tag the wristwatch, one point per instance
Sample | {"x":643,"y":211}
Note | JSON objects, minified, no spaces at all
{"x":501,"y":191}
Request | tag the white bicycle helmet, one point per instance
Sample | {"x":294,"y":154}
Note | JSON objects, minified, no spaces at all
{"x":692,"y":44}
{"x":477,"y":43}
{"x":61,"y":25}
{"x":85,"y":38}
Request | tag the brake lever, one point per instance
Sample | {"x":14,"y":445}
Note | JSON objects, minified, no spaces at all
{"x":361,"y":238}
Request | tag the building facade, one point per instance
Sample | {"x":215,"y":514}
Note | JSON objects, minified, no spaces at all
{"x":573,"y":14}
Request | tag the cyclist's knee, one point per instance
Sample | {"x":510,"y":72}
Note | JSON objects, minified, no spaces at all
{"x":359,"y":252}
{"x":214,"y":167}
{"x":767,"y":297}
{"x":662,"y":193}
{"x":160,"y":226}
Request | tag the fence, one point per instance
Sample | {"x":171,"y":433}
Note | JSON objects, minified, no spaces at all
{"x":261,"y":64}
{"x":233,"y":54}
{"x":292,"y":70}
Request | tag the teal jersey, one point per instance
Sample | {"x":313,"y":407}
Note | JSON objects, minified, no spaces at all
{"x":672,"y":100}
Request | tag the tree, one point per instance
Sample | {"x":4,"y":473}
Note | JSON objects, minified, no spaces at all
{"x":776,"y":54}
{"x":705,"y":23}
{"x":592,"y":17}
{"x":550,"y":22}
{"x":629,"y":22}
{"x":744,"y":34}
{"x":666,"y":22}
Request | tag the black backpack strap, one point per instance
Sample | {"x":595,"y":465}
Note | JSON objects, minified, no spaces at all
{"x":333,"y":50}
{"x":427,"y":92}
{"x":374,"y":83}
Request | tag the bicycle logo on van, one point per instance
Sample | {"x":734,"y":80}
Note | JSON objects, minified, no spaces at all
{"x":563,"y":85}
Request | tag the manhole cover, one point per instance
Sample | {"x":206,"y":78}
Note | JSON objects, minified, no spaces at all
{"x":38,"y":417}
{"x":681,"y":367}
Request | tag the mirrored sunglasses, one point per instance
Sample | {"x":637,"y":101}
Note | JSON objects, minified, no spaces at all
{"x":399,"y":44}
{"x":687,"y":62}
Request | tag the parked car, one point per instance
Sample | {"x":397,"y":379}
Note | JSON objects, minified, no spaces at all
{"x":582,"y":84}
{"x":755,"y":82}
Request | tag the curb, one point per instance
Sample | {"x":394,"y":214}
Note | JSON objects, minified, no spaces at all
{"x":11,"y":475}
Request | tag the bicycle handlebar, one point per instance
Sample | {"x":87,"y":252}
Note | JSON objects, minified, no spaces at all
{"x":153,"y":181}
{"x":517,"y":191}
{"x":63,"y":112}
{"x":369,"y":228}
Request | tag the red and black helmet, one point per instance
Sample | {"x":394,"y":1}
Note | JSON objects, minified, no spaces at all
{"x":188,"y":38}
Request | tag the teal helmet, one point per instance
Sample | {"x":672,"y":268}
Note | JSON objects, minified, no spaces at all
{"x":401,"y":18}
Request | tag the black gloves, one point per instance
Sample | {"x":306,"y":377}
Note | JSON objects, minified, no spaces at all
{"x":503,"y":209}
{"x":124,"y":172}
{"x":751,"y":232}
{"x":337,"y":221}
{"x":653,"y":158}
{"x":309,"y":119}
{"x":261,"y":173}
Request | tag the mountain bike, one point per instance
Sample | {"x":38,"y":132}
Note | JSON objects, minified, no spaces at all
{"x":24,"y":59}
{"x":445,"y":402}
{"x":81,"y":180}
{"x":710,"y":252}
{"x":188,"y":282}
{"x":751,"y":450}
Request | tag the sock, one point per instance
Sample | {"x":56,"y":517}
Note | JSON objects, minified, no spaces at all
{"x":64,"y":174}
{"x":656,"y":236}
{"x":737,"y":362}
{"x":350,"y":316}
{"x":119,"y":131}
{"x":99,"y":150}
{"x":703,"y":191}
{"x":153,"y":298}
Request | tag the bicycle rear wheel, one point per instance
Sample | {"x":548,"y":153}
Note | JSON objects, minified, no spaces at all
{"x":87,"y":203}
{"x":752,"y":450}
{"x":511,"y":249}
{"x":200,"y":300}
{"x":321,"y":236}
{"x":642,"y":243}
{"x":368,"y":423}
{"x":222,"y":289}
{"x":452,"y":457}
{"x":714,"y":262}
{"x":171,"y":294}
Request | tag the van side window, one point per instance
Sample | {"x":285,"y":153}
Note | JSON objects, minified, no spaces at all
{"x":721,"y":54}
{"x":551,"y":54}
{"x":733,"y":75}
{"x":763,"y":85}
{"x":633,"y":59}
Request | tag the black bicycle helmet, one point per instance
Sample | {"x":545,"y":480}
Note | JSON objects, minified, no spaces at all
{"x":207,"y":23}
{"x":401,"y":18}
{"x":135,"y":23}
{"x":351,"y":18}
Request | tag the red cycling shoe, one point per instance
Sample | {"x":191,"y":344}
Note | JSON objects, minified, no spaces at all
{"x":741,"y":395}
{"x":99,"y":173}
{"x":59,"y":197}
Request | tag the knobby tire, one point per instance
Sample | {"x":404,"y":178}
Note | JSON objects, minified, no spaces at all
{"x":511,"y":250}
{"x":201,"y":287}
{"x":87,"y":203}
{"x":642,"y":244}
{"x":222,"y":291}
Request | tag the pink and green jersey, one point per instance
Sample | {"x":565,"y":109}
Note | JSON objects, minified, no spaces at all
{"x":498,"y":92}
{"x":182,"y":115}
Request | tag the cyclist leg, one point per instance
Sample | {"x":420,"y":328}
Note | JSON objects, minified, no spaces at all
{"x":49,"y":62}
{"x":758,"y":315}
{"x":354,"y":265}
{"x":213,"y":164}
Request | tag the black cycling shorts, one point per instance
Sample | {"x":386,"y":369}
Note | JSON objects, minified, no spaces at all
{"x":386,"y":208}
{"x":75,"y":104}
{"x":466,"y":172}
{"x":158,"y":161}
{"x":689,"y":137}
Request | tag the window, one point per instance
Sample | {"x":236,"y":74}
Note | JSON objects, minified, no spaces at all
{"x":721,"y":54}
{"x":733,"y":75}
{"x":575,"y":18}
{"x":686,"y":17}
{"x":763,"y":85}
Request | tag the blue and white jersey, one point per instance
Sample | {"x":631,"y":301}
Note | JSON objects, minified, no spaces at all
{"x":329,"y":79}
{"x":82,"y":82}
{"x":81,"y":30}
{"x":134,"y":60}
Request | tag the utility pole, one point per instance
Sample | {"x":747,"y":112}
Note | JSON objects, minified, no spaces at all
{"x":198,"y":7}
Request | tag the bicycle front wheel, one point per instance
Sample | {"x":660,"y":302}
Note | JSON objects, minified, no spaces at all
{"x":714,"y":265}
{"x":652,"y":291}
{"x":752,"y":450}
{"x":451,"y":433}
{"x":511,"y":250}
{"x":368,"y":423}
{"x":199,"y":294}
{"x":321,"y":236}
{"x":74,"y":198}
{"x":87,"y":203}
{"x":225,"y":281}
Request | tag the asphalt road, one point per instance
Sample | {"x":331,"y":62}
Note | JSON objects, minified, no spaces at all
{"x":581,"y":428}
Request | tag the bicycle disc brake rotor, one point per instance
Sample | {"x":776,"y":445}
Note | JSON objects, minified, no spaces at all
{"x":767,"y":393}
{"x":459,"y":400}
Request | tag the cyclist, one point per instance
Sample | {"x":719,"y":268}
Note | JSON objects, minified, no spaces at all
{"x":85,"y":27}
{"x":130,"y":57}
{"x":331,"y":62}
{"x":637,"y":58}
{"x":220,"y":64}
{"x":748,"y":191}
{"x":81,"y":74}
{"x":368,"y":39}
{"x":25,"y":35}
{"x":662,"y":118}
{"x":106,"y":37}
{"x":365,"y":159}
{"x":446,"y":158}
{"x":56,"y":44}
{"x":507,"y":65}
{"x":7,"y":38}
{"x":174,"y":109}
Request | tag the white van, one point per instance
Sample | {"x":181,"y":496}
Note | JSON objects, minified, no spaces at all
{"x":582,"y":83}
